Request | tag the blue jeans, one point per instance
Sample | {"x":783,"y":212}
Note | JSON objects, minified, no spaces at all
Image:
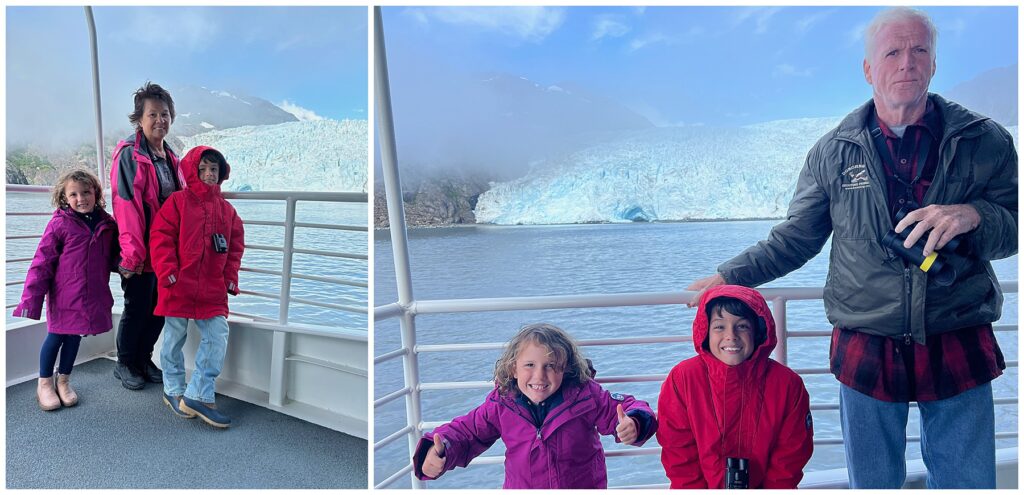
{"x":957,"y":439}
{"x":213,"y":344}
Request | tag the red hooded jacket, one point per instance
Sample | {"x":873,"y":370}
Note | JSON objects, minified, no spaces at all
{"x":758,"y":410}
{"x":194,"y":279}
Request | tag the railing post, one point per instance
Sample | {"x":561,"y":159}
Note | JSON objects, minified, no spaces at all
{"x":96,"y":95}
{"x":279,"y":347}
{"x":779,"y":314}
{"x":396,"y":221}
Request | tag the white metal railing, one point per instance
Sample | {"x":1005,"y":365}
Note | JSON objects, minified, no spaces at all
{"x":778,"y":297}
{"x":280,"y":327}
{"x":288,"y":249}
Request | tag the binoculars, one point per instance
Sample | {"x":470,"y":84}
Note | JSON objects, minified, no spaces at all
{"x":942,"y":266}
{"x":737,"y":472}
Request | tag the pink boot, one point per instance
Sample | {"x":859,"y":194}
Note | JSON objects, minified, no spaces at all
{"x":47,"y":396}
{"x":67,"y":395}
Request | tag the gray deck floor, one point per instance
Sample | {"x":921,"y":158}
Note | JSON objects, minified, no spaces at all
{"x":118,"y":438}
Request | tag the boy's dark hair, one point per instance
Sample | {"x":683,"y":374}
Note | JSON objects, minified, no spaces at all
{"x":738,"y":308}
{"x":149,"y":91}
{"x":214,"y":156}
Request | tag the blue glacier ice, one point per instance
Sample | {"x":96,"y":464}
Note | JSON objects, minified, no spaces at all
{"x":320,"y":155}
{"x":663,"y":174}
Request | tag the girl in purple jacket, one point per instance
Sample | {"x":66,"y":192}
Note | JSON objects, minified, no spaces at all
{"x":71,"y":269}
{"x":548,"y":411}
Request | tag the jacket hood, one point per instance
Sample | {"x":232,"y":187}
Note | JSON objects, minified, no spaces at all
{"x":188,"y":170}
{"x":751,"y":298}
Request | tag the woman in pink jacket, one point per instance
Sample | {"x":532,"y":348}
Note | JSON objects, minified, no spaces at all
{"x":548,"y":411}
{"x":142,"y":177}
{"x":71,"y":269}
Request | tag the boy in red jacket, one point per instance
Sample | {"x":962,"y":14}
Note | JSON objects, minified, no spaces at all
{"x":196,"y":244}
{"x":731,"y":401}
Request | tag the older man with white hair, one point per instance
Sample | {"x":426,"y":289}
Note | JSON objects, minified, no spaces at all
{"x":901,"y":333}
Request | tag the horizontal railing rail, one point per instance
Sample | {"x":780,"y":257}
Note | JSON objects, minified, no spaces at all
{"x":287,"y":248}
{"x":779,"y":297}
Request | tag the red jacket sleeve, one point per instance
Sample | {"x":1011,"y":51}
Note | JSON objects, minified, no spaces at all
{"x":794,"y":441}
{"x":163,"y":242}
{"x":41,"y":273}
{"x":679,"y":454}
{"x":464,"y":438}
{"x":235,"y":248}
{"x":126,"y":193}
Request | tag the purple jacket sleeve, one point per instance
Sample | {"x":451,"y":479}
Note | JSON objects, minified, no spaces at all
{"x":639,"y":410}
{"x":464,"y":438}
{"x":41,"y":272}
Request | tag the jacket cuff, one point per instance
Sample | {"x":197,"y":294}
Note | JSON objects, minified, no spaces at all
{"x":30,"y":313}
{"x":646,"y":425}
{"x":169,"y":280}
{"x":232,"y":289}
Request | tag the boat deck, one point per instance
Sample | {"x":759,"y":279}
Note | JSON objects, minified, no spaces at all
{"x":118,"y":438}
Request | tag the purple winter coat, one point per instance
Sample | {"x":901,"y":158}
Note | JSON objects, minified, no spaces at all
{"x":565,"y":452}
{"x":72,"y":269}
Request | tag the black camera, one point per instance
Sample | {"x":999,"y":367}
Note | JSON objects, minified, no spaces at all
{"x":220,"y":244}
{"x":737,"y":472}
{"x":942,"y":265}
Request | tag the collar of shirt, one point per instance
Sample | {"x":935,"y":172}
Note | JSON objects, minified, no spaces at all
{"x":931,"y":120}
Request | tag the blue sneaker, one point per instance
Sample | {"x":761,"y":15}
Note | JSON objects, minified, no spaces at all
{"x":172,"y":402}
{"x":206,"y":412}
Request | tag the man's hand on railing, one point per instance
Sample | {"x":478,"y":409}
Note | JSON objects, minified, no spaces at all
{"x":702,"y":285}
{"x":433,"y":465}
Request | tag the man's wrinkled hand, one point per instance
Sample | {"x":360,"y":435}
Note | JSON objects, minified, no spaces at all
{"x":702,"y":285}
{"x":941,"y":222}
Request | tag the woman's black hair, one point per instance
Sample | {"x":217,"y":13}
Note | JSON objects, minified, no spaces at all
{"x":737,"y":308}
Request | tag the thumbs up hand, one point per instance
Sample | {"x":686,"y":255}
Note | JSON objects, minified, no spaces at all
{"x":626,"y":429}
{"x":433,"y":465}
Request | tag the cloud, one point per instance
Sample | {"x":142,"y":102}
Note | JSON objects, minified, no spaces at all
{"x":787,"y":70}
{"x":192,"y":29}
{"x":761,"y":16}
{"x":953,"y":28}
{"x":855,"y":36}
{"x":531,"y":24}
{"x":606,"y":25}
{"x":648,"y":40}
{"x":805,"y":23}
{"x":299,"y":112}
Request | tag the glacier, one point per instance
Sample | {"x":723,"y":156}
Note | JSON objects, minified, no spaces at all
{"x":664,"y":174}
{"x":321,"y":155}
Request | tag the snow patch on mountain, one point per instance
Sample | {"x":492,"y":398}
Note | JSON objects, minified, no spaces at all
{"x":320,"y":155}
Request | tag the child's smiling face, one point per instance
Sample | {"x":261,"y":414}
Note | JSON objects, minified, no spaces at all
{"x":209,"y":171}
{"x":537,"y":374}
{"x":80,"y":196}
{"x":730,"y":337}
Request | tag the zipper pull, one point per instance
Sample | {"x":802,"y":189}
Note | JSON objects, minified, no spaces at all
{"x":538,"y":433}
{"x":906,"y":339}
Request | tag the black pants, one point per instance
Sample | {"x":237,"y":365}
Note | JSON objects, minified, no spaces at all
{"x":139,"y":328}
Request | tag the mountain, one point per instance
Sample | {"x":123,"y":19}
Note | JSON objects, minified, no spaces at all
{"x":992,"y":93}
{"x":321,"y":155}
{"x":497,"y":123}
{"x":200,"y":110}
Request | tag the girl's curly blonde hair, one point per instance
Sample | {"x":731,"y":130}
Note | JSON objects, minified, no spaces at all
{"x":557,"y":341}
{"x":80,"y":176}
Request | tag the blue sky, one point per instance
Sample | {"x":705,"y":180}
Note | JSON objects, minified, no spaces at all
{"x":311,"y":57}
{"x":687,"y":65}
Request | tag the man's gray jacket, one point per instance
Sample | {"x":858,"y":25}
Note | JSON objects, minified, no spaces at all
{"x":842,"y":191}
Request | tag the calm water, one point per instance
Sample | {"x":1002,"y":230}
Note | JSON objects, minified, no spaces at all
{"x":490,"y":261}
{"x":312,"y":212}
